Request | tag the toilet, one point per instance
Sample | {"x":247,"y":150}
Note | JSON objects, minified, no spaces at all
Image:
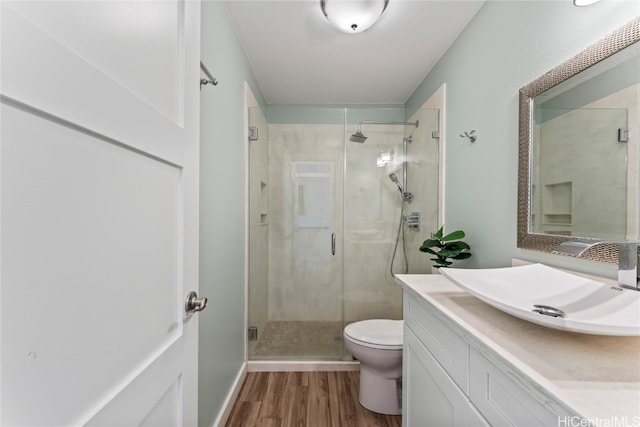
{"x":377,"y":344}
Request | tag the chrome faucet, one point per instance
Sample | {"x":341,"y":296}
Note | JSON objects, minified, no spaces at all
{"x":628,"y":259}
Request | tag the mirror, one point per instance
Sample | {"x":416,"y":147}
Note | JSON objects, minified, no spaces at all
{"x":578,"y":153}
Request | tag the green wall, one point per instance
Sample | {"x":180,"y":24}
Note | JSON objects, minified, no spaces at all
{"x":222,"y":210}
{"x":321,"y":114}
{"x":507,"y":45}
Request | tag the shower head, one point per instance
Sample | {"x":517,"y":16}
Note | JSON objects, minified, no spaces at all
{"x":358,"y":137}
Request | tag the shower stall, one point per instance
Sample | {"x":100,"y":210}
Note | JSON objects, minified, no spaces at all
{"x":339,"y":200}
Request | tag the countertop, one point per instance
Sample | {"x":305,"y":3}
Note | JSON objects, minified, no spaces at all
{"x":597,"y":377}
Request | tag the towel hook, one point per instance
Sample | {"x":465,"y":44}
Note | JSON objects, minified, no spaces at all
{"x":472,"y":135}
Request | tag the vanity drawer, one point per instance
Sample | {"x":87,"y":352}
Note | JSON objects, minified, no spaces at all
{"x":503,"y":401}
{"x":446,"y":346}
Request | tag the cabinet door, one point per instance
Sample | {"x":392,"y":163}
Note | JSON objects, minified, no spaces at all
{"x":430,"y":397}
{"x":449,"y":349}
{"x":503,"y":401}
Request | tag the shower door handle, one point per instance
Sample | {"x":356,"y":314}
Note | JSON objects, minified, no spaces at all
{"x":333,"y":244}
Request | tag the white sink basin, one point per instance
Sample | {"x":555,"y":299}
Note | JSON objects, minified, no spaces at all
{"x":588,"y":306}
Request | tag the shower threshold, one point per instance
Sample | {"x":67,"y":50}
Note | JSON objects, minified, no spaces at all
{"x":299,"y":340}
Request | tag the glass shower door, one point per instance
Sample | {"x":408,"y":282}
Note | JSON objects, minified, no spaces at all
{"x":303,"y":301}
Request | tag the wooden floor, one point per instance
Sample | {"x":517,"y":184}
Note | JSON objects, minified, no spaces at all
{"x":312,"y":399}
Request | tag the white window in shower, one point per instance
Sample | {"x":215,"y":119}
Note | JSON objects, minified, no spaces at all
{"x":313,"y":194}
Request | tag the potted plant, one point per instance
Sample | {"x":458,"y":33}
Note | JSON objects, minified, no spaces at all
{"x":446,"y":248}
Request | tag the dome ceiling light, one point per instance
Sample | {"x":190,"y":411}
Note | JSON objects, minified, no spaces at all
{"x":580,"y":3}
{"x":353,"y":16}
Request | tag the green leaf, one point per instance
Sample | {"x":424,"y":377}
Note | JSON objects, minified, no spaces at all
{"x":448,"y":253}
{"x":430,"y":243}
{"x":429,"y":251}
{"x":443,"y":262}
{"x":456,"y":246}
{"x":463,"y":255}
{"x":456,"y":235}
{"x":438,"y":234}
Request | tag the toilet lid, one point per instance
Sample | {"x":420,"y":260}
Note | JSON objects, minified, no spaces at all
{"x":378,"y":333}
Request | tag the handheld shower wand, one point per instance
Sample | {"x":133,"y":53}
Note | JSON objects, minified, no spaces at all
{"x":407,"y":197}
{"x":394,"y":178}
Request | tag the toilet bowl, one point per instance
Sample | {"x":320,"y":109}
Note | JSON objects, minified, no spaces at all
{"x":377,"y":344}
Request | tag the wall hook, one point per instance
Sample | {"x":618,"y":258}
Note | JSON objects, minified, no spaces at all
{"x":473,"y":135}
{"x":204,"y":82}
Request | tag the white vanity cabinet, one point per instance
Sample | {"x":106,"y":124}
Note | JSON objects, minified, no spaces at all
{"x":430,"y":396}
{"x":449,"y":381}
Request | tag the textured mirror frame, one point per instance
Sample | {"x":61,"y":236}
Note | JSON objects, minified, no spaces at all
{"x":616,"y":41}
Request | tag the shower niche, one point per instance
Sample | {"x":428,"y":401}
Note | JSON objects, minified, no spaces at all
{"x":556,"y":208}
{"x":321,"y":244}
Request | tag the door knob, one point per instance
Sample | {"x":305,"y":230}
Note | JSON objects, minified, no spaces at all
{"x":192,"y":303}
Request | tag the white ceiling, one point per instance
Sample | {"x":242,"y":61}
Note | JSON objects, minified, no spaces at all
{"x":299,"y":58}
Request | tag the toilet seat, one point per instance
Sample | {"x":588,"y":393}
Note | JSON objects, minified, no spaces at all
{"x":382,"y":334}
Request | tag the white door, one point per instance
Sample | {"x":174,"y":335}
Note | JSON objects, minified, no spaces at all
{"x":99,"y":212}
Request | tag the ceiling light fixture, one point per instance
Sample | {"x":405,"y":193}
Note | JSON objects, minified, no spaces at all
{"x":353,"y":16}
{"x":580,"y":3}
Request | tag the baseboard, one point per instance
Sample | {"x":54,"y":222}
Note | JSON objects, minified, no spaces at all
{"x":300,"y":366}
{"x":223,"y":416}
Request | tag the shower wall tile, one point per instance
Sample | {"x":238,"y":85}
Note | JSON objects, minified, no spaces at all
{"x":424,"y":177}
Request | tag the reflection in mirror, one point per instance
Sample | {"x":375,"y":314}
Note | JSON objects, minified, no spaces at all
{"x":578,"y":163}
{"x":579,"y":175}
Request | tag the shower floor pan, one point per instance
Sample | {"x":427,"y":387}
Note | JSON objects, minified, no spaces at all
{"x":299,"y":340}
